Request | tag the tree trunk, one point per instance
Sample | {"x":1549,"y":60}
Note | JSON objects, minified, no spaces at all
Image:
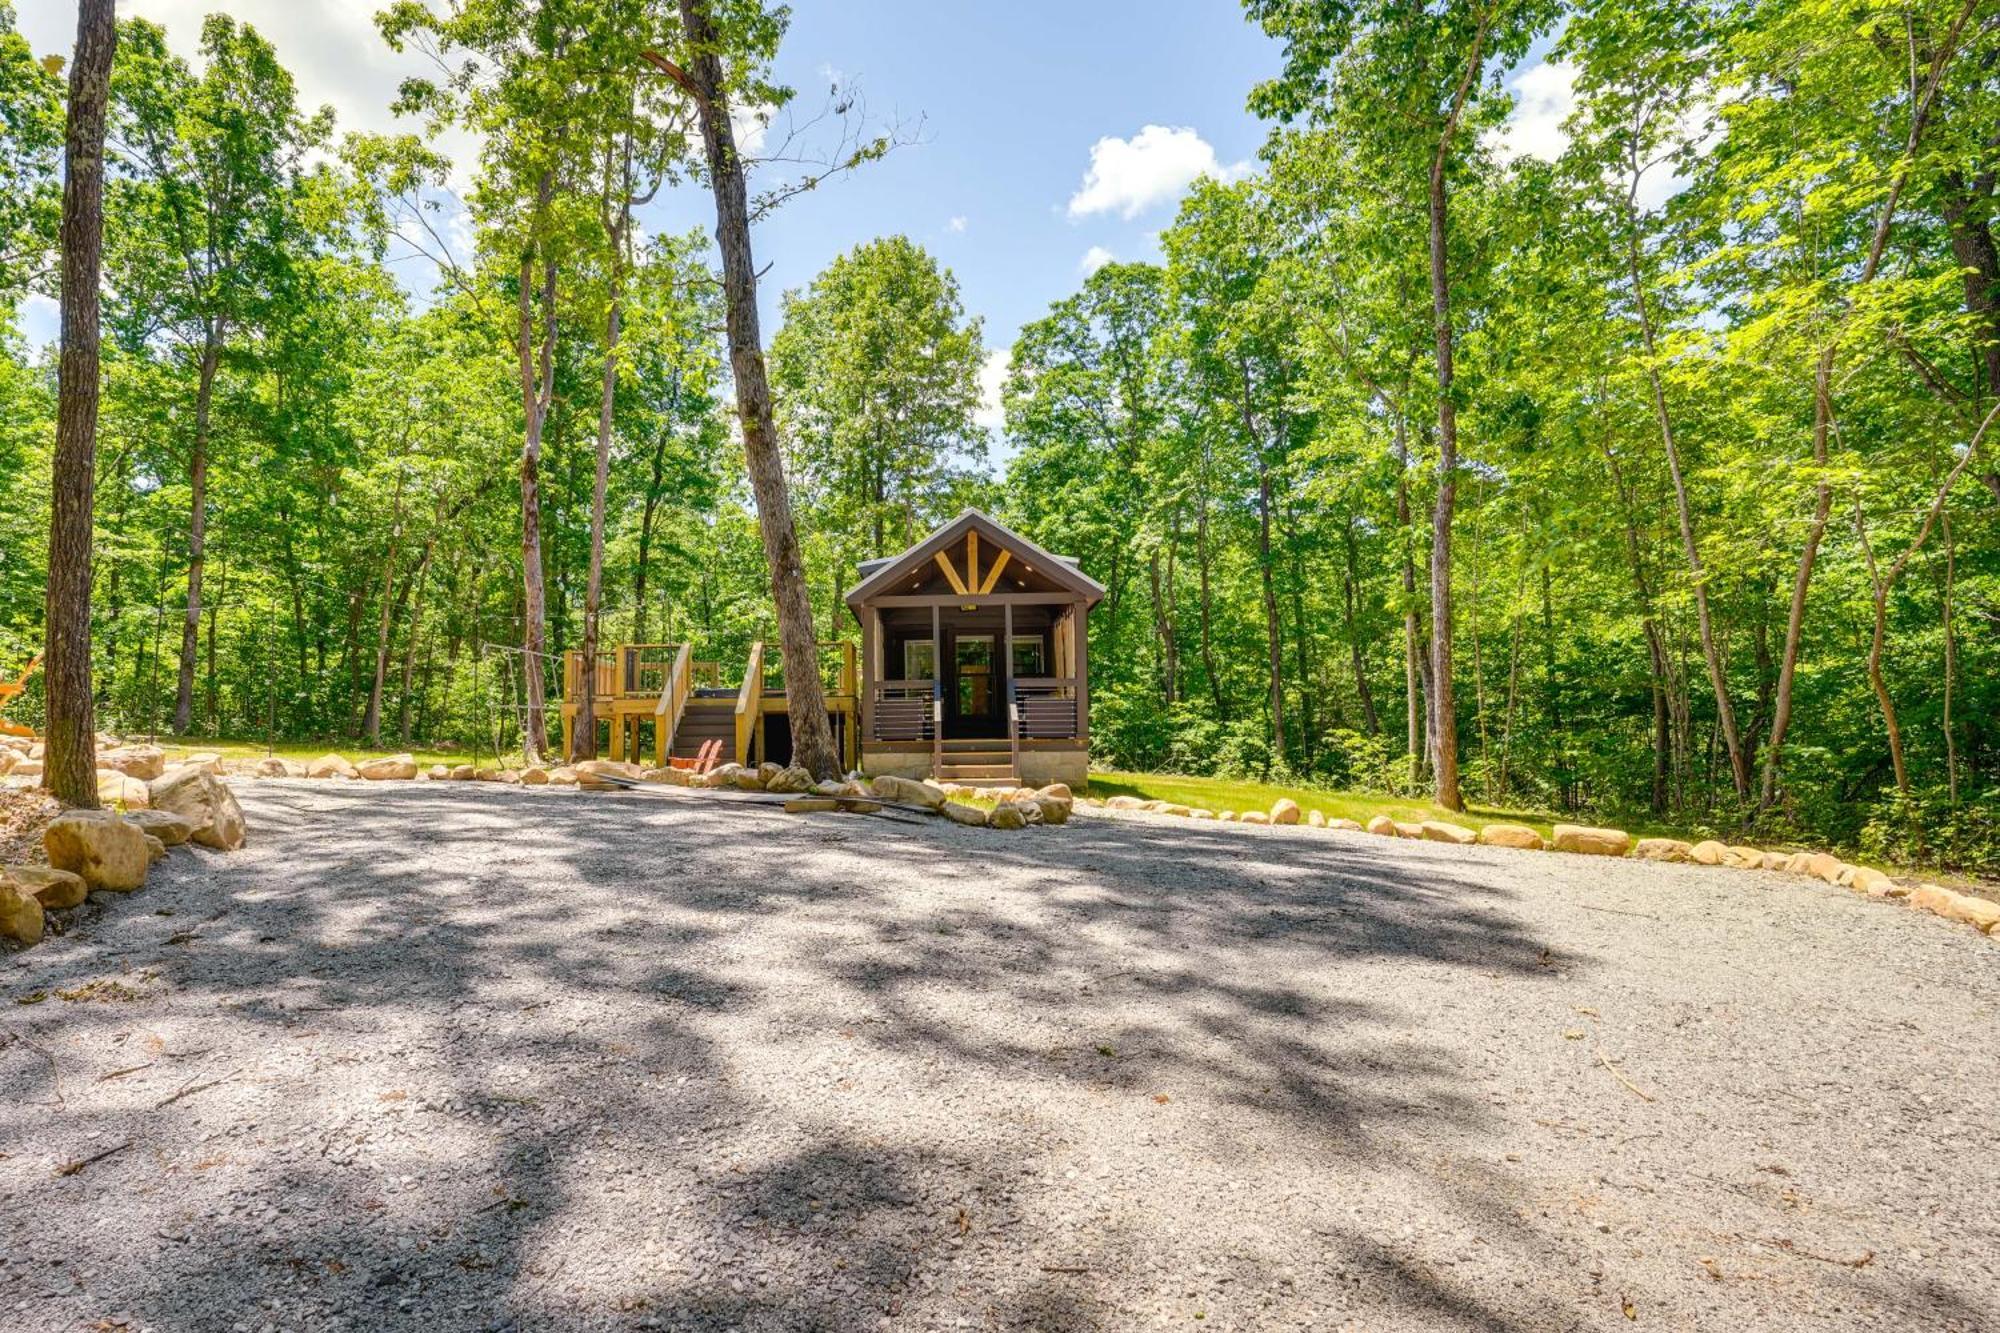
{"x":1367,"y":698}
{"x":1950,"y":661}
{"x":537,"y":373}
{"x":371,"y":721}
{"x":69,"y":764}
{"x":204,"y":399}
{"x":1725,"y":712}
{"x":1413,"y":697}
{"x":1201,"y":555}
{"x":812,"y":735}
{"x":1444,"y":721}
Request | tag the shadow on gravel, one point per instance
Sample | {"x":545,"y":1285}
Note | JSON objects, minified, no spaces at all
{"x":549,"y":1000}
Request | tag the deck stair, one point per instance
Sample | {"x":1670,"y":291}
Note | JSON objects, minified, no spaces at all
{"x":707,"y":719}
{"x":978,"y":763}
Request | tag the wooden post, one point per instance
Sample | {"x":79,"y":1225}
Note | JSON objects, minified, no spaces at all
{"x":1079,"y":638}
{"x":1007,"y":686}
{"x":937,"y":693}
{"x":871,"y":670}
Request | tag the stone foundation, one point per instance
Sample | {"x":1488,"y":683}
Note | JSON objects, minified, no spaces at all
{"x":1038,"y":767}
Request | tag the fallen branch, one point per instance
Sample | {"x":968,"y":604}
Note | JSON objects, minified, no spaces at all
{"x":192,"y":1088}
{"x":71,"y":1168}
{"x":1640,"y":1092}
{"x":121,"y":1073}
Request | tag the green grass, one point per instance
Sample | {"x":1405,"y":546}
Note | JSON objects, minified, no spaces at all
{"x":1230,"y":794}
{"x":307,"y":751}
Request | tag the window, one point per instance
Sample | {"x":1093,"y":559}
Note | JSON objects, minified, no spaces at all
{"x":1028,"y":657}
{"x":919,"y":659}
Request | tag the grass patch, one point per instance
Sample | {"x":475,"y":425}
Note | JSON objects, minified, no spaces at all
{"x":1232,"y":794}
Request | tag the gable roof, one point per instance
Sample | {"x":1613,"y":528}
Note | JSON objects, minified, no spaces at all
{"x":884,"y":576}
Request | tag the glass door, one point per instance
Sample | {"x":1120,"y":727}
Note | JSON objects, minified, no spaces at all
{"x":972,"y":683}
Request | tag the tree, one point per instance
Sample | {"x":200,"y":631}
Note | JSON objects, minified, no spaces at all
{"x":70,"y":763}
{"x":1406,"y":82}
{"x":879,"y":372}
{"x":748,"y":36}
{"x":206,"y":168}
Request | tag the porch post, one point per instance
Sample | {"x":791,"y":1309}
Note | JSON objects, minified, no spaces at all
{"x":871,"y":636}
{"x":1079,"y":635}
{"x":1007,"y":665}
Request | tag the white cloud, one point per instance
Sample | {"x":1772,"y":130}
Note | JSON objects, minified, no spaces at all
{"x":992,"y":376}
{"x":752,"y":124}
{"x":1544,"y":97}
{"x":1129,"y":176}
{"x":1095,"y":258}
{"x":956,"y":226}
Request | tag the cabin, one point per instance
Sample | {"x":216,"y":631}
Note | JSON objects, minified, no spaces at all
{"x":972,"y":668}
{"x":975,"y":659}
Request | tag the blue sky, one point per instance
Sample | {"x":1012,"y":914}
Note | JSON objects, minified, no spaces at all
{"x":1049,"y":136}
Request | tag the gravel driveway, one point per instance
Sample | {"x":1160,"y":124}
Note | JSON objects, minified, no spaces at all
{"x":460,"y":1056}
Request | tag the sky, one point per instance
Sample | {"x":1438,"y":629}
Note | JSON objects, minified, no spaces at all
{"x":1045,"y":138}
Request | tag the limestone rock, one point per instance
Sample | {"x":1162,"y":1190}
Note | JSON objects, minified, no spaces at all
{"x":170,"y":828}
{"x":1382,"y":825}
{"x":1228,"y":816}
{"x":534,"y":775}
{"x":905,"y":791}
{"x":1124,"y":803}
{"x":1510,"y":835}
{"x":789,"y":780}
{"x":20,"y":915}
{"x":1198,"y":812}
{"x":807,"y":805}
{"x":1409,"y":829}
{"x":1059,"y":790}
{"x":1007,"y":815}
{"x":206,"y":760}
{"x":1662,"y":849}
{"x":114,"y":788}
{"x":1875,"y":883}
{"x":144,"y":762}
{"x":206,"y":802}
{"x":1824,"y":865}
{"x":1055,"y":802}
{"x":1442,"y":830}
{"x":1980,"y":913}
{"x":1345,"y":825}
{"x":26,"y":768}
{"x":766,"y":771}
{"x":330,"y":766}
{"x":564,"y":776}
{"x":1708,"y":852}
{"x":1592,"y":841}
{"x":463,"y":772}
{"x":1253,"y":817}
{"x":155,"y":849}
{"x":971,"y":816}
{"x":54,"y":889}
{"x":1743,"y":858}
{"x":390,"y":768}
{"x":1285,"y":810}
{"x":747,"y":779}
{"x":1314,"y":819}
{"x":617,"y":768}
{"x":271,"y":767}
{"x":105,"y":851}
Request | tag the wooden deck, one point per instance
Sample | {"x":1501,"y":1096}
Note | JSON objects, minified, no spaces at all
{"x":658,"y":697}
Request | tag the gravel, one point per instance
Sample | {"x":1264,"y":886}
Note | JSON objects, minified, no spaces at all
{"x":460,"y":1056}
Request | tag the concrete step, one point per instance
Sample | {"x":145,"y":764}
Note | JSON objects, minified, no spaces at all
{"x":970,"y":773}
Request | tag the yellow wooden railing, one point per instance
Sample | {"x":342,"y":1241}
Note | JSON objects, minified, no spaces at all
{"x":749,"y":701}
{"x":673,"y":703}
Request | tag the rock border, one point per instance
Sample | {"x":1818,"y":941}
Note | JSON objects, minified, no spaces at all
{"x":1982,"y":914}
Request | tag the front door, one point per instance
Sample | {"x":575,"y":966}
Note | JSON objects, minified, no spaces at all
{"x":972,"y":692}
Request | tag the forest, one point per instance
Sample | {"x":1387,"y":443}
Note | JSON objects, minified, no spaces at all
{"x":1655,"y":478}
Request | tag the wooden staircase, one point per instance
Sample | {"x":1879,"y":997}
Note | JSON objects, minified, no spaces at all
{"x":706,"y":720}
{"x":977,"y":763}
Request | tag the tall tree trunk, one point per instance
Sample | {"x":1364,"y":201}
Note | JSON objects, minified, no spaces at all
{"x":812,"y":735}
{"x":537,"y":374}
{"x":1950,"y":660}
{"x":1725,"y":712}
{"x":1444,"y":720}
{"x":69,"y":764}
{"x":204,"y":400}
{"x":1413,"y":698}
{"x":1202,"y":563}
{"x":1369,"y":719}
{"x":583,"y":744}
{"x":371,"y":720}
